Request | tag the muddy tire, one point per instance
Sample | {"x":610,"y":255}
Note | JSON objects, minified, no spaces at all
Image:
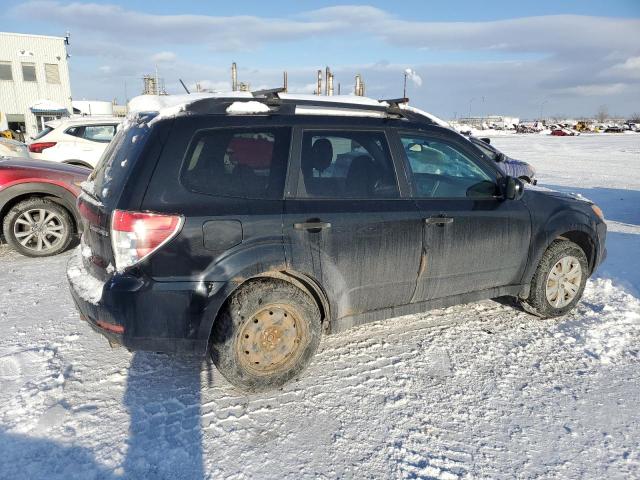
{"x":266,"y":335}
{"x":559,"y":280}
{"x":37,"y":227}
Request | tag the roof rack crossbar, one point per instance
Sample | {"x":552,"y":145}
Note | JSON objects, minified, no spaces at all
{"x":269,"y":93}
{"x":394,"y":101}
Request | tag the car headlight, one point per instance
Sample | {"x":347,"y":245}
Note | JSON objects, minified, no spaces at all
{"x":598,"y":211}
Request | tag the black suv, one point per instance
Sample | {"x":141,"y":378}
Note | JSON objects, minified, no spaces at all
{"x":246,"y":228}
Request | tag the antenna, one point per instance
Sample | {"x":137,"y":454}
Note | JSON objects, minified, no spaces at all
{"x":184,"y":86}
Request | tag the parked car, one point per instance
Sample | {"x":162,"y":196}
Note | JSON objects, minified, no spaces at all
{"x":38,"y":205}
{"x":77,"y":141}
{"x":563,"y":132}
{"x":189,"y":246}
{"x":510,"y":166}
{"x":12,"y":148}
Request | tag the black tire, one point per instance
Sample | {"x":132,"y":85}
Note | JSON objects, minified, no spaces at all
{"x":237,"y":330}
{"x":13,"y":226}
{"x":537,"y":303}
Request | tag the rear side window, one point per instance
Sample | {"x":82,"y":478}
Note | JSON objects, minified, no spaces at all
{"x":238,"y":162}
{"x":43,"y":133}
{"x":99,"y":133}
{"x":346,"y":164}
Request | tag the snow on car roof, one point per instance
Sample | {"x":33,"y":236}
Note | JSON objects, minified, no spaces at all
{"x":172,"y":105}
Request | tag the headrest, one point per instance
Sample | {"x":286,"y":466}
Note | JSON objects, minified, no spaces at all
{"x":321,"y":154}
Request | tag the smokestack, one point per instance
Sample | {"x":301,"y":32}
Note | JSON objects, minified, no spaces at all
{"x":338,"y":88}
{"x":285,"y":83}
{"x":319,"y":86}
{"x":234,"y":77}
{"x":358,"y":83}
{"x":330,"y":85}
{"x":362,"y":88}
{"x":327,"y":74}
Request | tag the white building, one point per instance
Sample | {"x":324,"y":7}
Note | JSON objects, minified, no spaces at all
{"x":34,"y":81}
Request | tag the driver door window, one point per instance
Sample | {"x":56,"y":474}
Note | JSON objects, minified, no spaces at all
{"x":441,"y":170}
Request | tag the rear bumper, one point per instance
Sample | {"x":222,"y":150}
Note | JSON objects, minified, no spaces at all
{"x":141,"y":314}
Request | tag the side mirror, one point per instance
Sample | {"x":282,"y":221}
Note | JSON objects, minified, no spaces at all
{"x":514,"y":188}
{"x":486,"y":140}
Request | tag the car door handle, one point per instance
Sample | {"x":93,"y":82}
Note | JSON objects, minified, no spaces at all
{"x":311,"y":225}
{"x":438,"y":220}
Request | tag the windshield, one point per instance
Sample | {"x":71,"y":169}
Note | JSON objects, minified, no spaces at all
{"x":488,"y":151}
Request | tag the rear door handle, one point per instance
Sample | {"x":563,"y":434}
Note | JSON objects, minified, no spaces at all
{"x":311,"y":225}
{"x":438,"y":220}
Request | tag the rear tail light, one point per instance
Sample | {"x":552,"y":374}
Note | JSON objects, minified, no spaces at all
{"x":136,"y":235}
{"x":40,"y":146}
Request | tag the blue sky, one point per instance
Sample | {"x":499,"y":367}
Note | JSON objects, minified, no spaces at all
{"x":506,"y":57}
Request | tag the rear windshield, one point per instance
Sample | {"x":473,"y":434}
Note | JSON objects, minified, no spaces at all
{"x":118,"y":159}
{"x":43,"y":133}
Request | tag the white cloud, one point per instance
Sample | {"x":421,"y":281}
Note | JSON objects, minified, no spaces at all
{"x":164,"y":57}
{"x":594,"y":90}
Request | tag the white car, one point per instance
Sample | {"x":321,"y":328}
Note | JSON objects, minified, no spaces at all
{"x":77,"y":141}
{"x":13,"y":148}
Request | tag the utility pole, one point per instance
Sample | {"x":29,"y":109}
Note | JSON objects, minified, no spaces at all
{"x":542,"y":108}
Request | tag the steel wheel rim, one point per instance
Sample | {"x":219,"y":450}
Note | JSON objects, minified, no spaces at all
{"x":39,"y":229}
{"x":563,"y":282}
{"x":271,"y":341}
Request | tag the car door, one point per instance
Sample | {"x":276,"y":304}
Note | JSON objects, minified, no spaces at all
{"x":473,"y":238}
{"x":348,"y":223}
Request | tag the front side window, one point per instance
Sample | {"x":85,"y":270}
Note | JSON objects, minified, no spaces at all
{"x":238,"y":162}
{"x":442,"y":170}
{"x":29,"y":72}
{"x":99,"y":133}
{"x":5,"y":71}
{"x":349,"y":164}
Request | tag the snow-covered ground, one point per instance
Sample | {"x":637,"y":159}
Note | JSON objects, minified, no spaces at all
{"x":476,"y":391}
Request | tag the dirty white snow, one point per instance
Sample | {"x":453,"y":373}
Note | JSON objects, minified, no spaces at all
{"x":476,"y":391}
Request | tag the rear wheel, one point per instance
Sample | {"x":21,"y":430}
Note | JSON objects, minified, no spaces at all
{"x":559,"y":280}
{"x":266,"y":335}
{"x":38,"y":228}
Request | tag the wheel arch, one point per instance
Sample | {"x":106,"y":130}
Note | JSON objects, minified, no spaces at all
{"x":578,"y":233}
{"x":297,"y":279}
{"x":13,"y":195}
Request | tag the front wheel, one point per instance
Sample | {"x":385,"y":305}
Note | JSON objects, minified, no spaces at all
{"x":266,"y":335}
{"x":559,"y":280}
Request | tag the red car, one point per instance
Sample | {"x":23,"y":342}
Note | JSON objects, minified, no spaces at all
{"x":562,"y":132}
{"x":38,"y":205}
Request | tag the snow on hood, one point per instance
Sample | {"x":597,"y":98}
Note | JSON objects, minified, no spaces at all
{"x":557,"y":193}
